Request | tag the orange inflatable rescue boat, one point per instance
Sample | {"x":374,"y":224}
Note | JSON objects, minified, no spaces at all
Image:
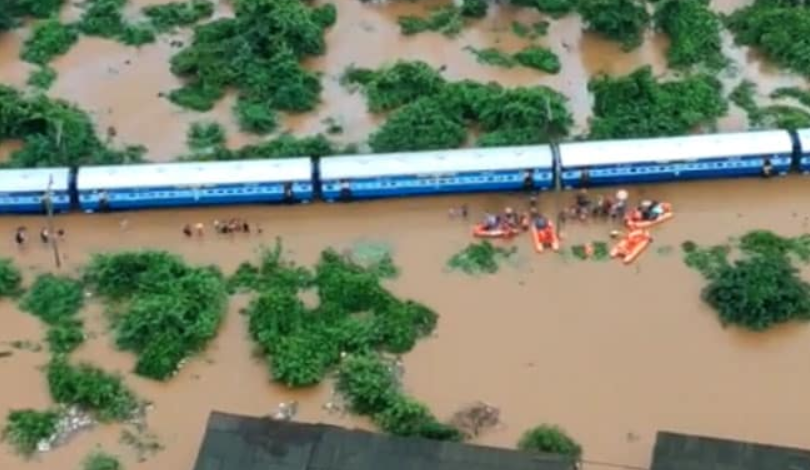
{"x":503,"y":231}
{"x":545,"y":237}
{"x":631,"y":246}
{"x":635,"y":220}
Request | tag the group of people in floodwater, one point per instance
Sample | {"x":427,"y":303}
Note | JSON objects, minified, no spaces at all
{"x":234,"y":225}
{"x":21,"y":235}
{"x":614,"y":207}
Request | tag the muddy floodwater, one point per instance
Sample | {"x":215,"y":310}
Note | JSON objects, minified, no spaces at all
{"x":611,"y":353}
{"x":123,"y":86}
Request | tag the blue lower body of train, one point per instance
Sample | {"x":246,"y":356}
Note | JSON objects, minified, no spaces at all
{"x":416,"y":186}
{"x":657,"y":173}
{"x":32,"y":204}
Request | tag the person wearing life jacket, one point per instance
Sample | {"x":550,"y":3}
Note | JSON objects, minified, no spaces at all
{"x":645,"y":208}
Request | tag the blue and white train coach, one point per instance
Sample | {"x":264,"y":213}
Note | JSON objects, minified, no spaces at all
{"x":24,"y":191}
{"x":436,"y":172}
{"x":804,"y":145}
{"x":677,"y":158}
{"x":191,"y":184}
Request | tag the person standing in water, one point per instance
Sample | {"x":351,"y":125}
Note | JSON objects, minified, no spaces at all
{"x":20,"y":236}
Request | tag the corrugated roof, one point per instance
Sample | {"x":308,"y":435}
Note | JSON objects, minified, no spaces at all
{"x":194,"y":173}
{"x":616,"y":152}
{"x":675,"y":451}
{"x":437,"y":162}
{"x":234,"y":442}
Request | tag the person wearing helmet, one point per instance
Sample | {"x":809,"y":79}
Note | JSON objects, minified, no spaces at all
{"x":540,"y":222}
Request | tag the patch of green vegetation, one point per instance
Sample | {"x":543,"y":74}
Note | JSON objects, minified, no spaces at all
{"x":55,"y":133}
{"x":430,"y":113}
{"x":554,"y":8}
{"x":257,"y":52}
{"x":284,"y":146}
{"x":796,"y":93}
{"x":743,"y":96}
{"x":371,"y":388}
{"x":533,"y":31}
{"x":619,"y":20}
{"x":550,"y":440}
{"x":14,"y":11}
{"x":773,"y":116}
{"x":101,"y":461}
{"x":761,"y":288}
{"x":355,"y":314}
{"x":480,"y":258}
{"x":10,"y":278}
{"x":105,"y":18}
{"x":169,"y":16}
{"x":785,"y":117}
{"x":779,"y":28}
{"x":165,"y":311}
{"x":42,"y":78}
{"x":446,"y":20}
{"x":694,"y":31}
{"x":598,"y":251}
{"x":539,"y":58}
{"x":91,"y":389}
{"x":474,"y":8}
{"x":637,"y":105}
{"x":202,"y":135}
{"x":26,"y":428}
{"x":492,"y":56}
{"x":53,"y":298}
{"x":145,"y":444}
{"x":65,"y":336}
{"x":48,"y":39}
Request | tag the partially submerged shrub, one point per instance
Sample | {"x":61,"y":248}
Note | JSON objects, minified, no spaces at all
{"x":10,"y":278}
{"x":168,"y":16}
{"x":694,"y":31}
{"x":26,"y":428}
{"x":480,"y":258}
{"x":550,"y":440}
{"x":447,"y":20}
{"x":91,"y":389}
{"x":48,"y":39}
{"x":391,"y":87}
{"x":474,"y":8}
{"x":169,"y":309}
{"x":204,"y":135}
{"x":555,"y":8}
{"x":104,"y":18}
{"x":284,"y":146}
{"x":14,"y":11}
{"x":65,"y":336}
{"x":53,"y":298}
{"x":539,"y":58}
{"x":637,"y":105}
{"x":42,"y":78}
{"x":101,"y":461}
{"x":620,"y":20}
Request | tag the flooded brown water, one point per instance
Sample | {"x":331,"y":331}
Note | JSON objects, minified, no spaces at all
{"x":612,"y":354}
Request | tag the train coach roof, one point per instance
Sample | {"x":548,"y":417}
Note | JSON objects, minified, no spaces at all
{"x":33,"y":180}
{"x":618,"y":152}
{"x":804,"y":139}
{"x":437,"y":162}
{"x":194,"y":174}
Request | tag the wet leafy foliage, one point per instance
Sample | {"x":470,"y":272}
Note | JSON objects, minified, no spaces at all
{"x":638,"y":105}
{"x":54,"y":133}
{"x":10,"y":278}
{"x":448,"y":20}
{"x":480,"y":258}
{"x":206,"y":134}
{"x":551,"y":440}
{"x":42,"y":78}
{"x":554,"y":8}
{"x":492,"y":56}
{"x":474,"y":8}
{"x":775,"y":116}
{"x":91,"y":389}
{"x":165,"y":309}
{"x":48,"y":39}
{"x":105,"y":18}
{"x":168,"y":16}
{"x":26,"y":428}
{"x":620,"y":20}
{"x":539,"y":58}
{"x":694,"y":32}
{"x":371,"y":388}
{"x":14,"y":11}
{"x":798,"y":94}
{"x":355,"y":313}
{"x":284,"y":146}
{"x":759,"y":289}
{"x":258,"y":52}
{"x":101,"y":461}
{"x":780,"y":28}
{"x":53,"y":298}
{"x":65,"y":336}
{"x":427,"y":112}
{"x":533,"y":31}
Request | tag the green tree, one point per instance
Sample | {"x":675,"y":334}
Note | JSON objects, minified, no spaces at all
{"x":620,"y":20}
{"x":551,"y":440}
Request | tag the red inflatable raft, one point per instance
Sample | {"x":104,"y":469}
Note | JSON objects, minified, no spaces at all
{"x":631,"y":246}
{"x":635,"y":220}
{"x":546,"y":237}
{"x":480,"y":231}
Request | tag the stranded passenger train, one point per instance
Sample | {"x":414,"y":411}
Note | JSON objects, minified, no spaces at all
{"x":346,"y":178}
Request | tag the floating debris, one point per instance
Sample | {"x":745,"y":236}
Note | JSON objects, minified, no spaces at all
{"x":286,"y":411}
{"x":476,"y":418}
{"x":144,"y":443}
{"x":72,"y":421}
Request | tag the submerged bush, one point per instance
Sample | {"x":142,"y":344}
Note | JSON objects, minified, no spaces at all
{"x":48,"y":39}
{"x":620,"y":20}
{"x":258,"y":52}
{"x":91,"y":389}
{"x":10,"y":278}
{"x":637,"y":105}
{"x":447,"y":20}
{"x":694,"y":31}
{"x":54,"y":132}
{"x":101,"y":461}
{"x":14,"y":11}
{"x":539,"y":58}
{"x":480,"y":258}
{"x":26,"y":428}
{"x":204,"y":135}
{"x":550,"y":440}
{"x":104,"y":18}
{"x":392,"y":87}
{"x":555,"y":8}
{"x":42,"y":78}
{"x":474,"y":8}
{"x":284,"y":146}
{"x":169,"y":310}
{"x":168,"y":16}
{"x":53,"y":298}
{"x":65,"y":336}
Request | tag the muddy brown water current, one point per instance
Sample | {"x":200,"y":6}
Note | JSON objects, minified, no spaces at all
{"x":612,"y":354}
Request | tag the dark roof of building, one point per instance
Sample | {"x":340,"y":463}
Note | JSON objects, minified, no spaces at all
{"x":234,"y":442}
{"x":684,"y":452}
